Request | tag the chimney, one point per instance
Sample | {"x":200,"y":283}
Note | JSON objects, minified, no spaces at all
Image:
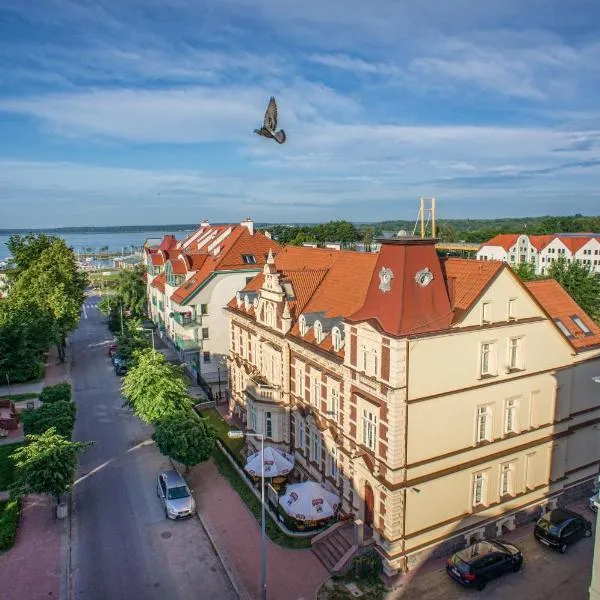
{"x":249,"y":223}
{"x":407,"y":293}
{"x":204,"y":224}
{"x":268,"y":234}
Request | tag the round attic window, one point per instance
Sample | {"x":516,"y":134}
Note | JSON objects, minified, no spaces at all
{"x":424,"y":277}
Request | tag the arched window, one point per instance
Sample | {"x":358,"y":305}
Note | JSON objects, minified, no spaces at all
{"x":270,"y":315}
{"x":302,"y":323}
{"x":318,"y":331}
{"x":337,"y":339}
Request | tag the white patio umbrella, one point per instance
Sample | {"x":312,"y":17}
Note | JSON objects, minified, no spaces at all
{"x":308,"y":501}
{"x":276,"y":461}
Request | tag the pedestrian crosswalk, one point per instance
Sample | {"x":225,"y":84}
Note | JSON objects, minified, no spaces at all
{"x":89,"y":305}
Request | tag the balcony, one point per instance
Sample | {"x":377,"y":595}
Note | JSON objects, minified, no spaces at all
{"x":183,"y":343}
{"x":186,"y":320}
{"x":262,"y":391}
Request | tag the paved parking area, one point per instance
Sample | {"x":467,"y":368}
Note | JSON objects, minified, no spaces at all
{"x":546,"y":574}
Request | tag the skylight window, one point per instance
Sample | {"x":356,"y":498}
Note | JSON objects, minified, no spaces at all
{"x":577,"y":320}
{"x":249,"y":259}
{"x":563,"y":328}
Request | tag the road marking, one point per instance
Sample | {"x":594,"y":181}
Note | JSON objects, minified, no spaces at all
{"x":84,"y":312}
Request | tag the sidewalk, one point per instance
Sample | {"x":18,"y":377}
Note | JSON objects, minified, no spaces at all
{"x":31,"y":569}
{"x":291,"y":574}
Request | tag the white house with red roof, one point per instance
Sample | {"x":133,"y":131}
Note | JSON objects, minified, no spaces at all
{"x":542,"y":250}
{"x":442,"y":400}
{"x":189,"y":283}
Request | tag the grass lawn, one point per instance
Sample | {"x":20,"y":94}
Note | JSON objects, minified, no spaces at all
{"x":10,"y":512}
{"x":253,"y":503}
{"x":17,"y":397}
{"x":335,"y":588}
{"x":216,"y":420}
{"x":6,"y":465}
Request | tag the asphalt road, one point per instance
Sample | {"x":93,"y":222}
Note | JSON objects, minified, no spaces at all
{"x":123,"y":547}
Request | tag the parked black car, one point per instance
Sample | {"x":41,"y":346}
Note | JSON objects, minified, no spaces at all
{"x":483,"y":561}
{"x":120,"y":367}
{"x":560,"y":528}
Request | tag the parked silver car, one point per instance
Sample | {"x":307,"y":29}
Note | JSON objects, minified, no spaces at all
{"x":175,"y":495}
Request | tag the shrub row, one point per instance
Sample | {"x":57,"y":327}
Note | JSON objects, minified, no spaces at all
{"x":10,"y":512}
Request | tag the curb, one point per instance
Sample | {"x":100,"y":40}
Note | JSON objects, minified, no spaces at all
{"x":238,"y":587}
{"x":64,"y":592}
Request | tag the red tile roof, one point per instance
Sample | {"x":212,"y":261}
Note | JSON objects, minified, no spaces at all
{"x":168,"y":243}
{"x":539,"y":242}
{"x":195,"y":260}
{"x":229,"y":258}
{"x":574,"y":243}
{"x":157,"y":258}
{"x":467,"y":279}
{"x":177,"y":266}
{"x":555,"y":300}
{"x":506,"y":240}
{"x":159,"y":282}
{"x":406,"y":308}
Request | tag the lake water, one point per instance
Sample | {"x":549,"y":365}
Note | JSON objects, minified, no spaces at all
{"x":116,"y":242}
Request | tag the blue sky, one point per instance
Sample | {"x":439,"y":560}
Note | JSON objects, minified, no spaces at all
{"x":139,"y":111}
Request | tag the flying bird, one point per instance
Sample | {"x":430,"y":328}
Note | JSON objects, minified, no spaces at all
{"x":270,"y":124}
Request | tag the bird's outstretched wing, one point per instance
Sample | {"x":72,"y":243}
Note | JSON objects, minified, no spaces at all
{"x":280,"y":136}
{"x":271,"y":115}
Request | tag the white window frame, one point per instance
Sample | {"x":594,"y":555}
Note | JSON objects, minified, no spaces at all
{"x":315,"y":389}
{"x":485,"y":312}
{"x":300,"y":433}
{"x":318,"y":332}
{"x":334,"y":403}
{"x":375,"y":363}
{"x":484,"y":424}
{"x":332,"y":464}
{"x":515,"y":353}
{"x":506,"y":479}
{"x":512,"y":304}
{"x":302,"y":325}
{"x":365,"y":358}
{"x":369,"y":427}
{"x":315,"y":445}
{"x":511,"y":416}
{"x":490,"y":369}
{"x":336,"y":336}
{"x":582,"y":326}
{"x":479,"y":491}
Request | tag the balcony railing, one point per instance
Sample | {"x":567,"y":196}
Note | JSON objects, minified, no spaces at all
{"x":260,"y":389}
{"x":186,"y":320}
{"x":187,"y":343}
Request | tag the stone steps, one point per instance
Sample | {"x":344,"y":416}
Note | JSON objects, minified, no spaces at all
{"x":333,"y":547}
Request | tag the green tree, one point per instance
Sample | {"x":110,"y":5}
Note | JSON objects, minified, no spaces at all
{"x":26,"y":251}
{"x":56,"y":393}
{"x":60,"y":415}
{"x":446,"y":233}
{"x":155,"y":388}
{"x":131,"y":290}
{"x":53,"y":281}
{"x":46,"y":464}
{"x":526,"y":271}
{"x":26,"y":331}
{"x":185,"y":437}
{"x":582,"y":284}
{"x":368,"y":234}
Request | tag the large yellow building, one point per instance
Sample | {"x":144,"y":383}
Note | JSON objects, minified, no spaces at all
{"x":442,"y":400}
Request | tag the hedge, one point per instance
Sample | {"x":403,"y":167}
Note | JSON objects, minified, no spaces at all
{"x":55,"y":393}
{"x":59,"y":414}
{"x":10,"y":512}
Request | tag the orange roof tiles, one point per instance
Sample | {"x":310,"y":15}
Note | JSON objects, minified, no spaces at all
{"x":229,"y":258}
{"x":157,"y":259}
{"x":574,"y":243}
{"x":506,"y":240}
{"x":539,"y":242}
{"x":159,"y":282}
{"x":559,"y":305}
{"x":177,"y":266}
{"x":168,"y":242}
{"x":467,"y":279}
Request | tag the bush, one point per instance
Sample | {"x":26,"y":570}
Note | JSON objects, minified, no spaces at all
{"x":59,"y":414}
{"x":367,"y":566}
{"x":10,"y":512}
{"x":56,"y":393}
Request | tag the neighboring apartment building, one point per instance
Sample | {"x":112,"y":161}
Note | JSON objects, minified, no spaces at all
{"x":442,"y":400}
{"x":189,"y":284}
{"x":542,"y":250}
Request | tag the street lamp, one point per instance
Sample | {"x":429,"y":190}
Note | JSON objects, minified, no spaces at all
{"x":152,"y":331}
{"x":236,"y":434}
